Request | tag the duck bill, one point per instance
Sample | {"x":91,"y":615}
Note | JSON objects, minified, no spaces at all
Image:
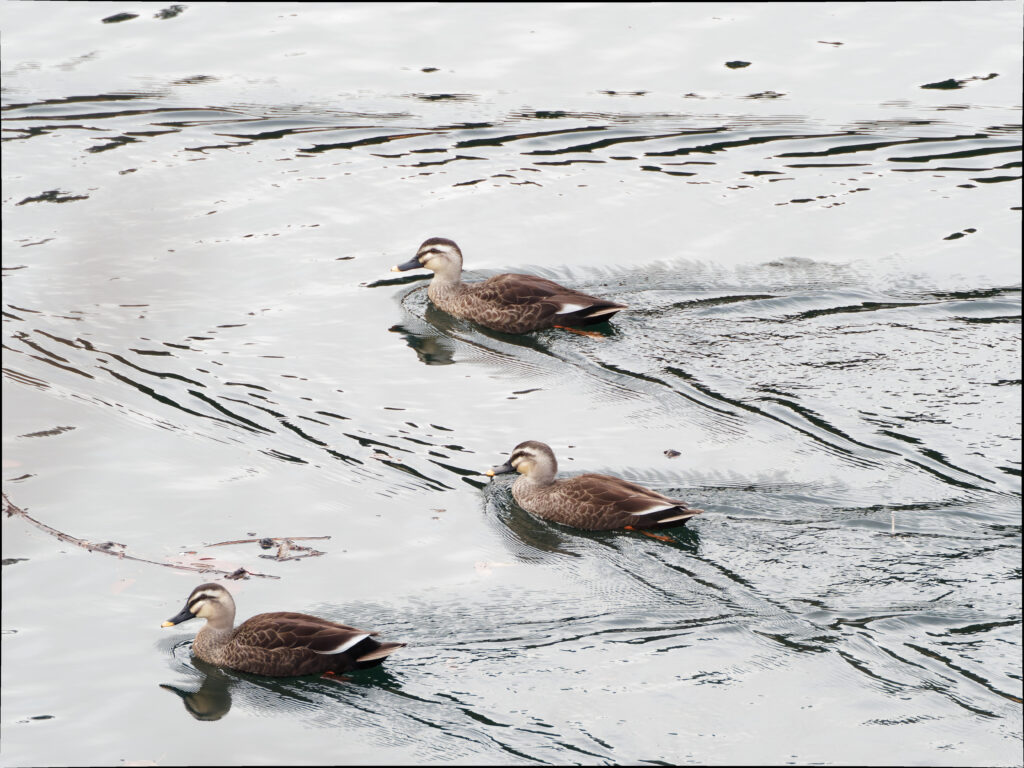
{"x":504,"y":469}
{"x":184,"y":615}
{"x":413,"y":263}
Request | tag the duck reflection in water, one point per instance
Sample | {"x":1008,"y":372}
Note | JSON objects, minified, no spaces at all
{"x":430,"y":346}
{"x":213,"y":699}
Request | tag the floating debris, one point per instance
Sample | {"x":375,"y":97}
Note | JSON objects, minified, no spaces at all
{"x":285,"y":546}
{"x":118,"y":550}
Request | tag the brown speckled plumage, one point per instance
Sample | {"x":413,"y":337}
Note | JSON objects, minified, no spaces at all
{"x":511,"y":303}
{"x":280,"y":644}
{"x":592,"y":502}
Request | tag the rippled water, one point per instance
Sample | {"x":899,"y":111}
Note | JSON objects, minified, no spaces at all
{"x":812,"y":212}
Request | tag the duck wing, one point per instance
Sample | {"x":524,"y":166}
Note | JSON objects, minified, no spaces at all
{"x":616,"y":503}
{"x":299,"y":631}
{"x":544,"y":302}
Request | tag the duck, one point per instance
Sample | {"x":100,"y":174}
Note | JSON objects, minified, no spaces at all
{"x":510,"y":303}
{"x":591,"y":502}
{"x":281,"y":644}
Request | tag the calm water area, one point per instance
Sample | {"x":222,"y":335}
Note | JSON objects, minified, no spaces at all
{"x":812,"y":212}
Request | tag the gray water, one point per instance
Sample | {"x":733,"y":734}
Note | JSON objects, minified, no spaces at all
{"x":202,"y":342}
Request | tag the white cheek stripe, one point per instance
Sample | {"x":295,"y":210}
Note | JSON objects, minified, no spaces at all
{"x":345,"y":646}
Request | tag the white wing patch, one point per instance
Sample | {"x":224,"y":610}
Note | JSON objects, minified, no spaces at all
{"x":567,"y":308}
{"x":652,"y":510}
{"x":345,"y":646}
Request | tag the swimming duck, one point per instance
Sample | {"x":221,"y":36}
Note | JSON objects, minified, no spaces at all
{"x":510,"y":303}
{"x":592,"y":502}
{"x":276,"y":644}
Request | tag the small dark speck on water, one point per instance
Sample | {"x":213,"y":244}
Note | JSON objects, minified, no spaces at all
{"x":117,"y":17}
{"x":945,"y":85}
{"x":737,"y":64}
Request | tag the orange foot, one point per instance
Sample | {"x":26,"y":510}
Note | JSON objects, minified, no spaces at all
{"x":591,"y":334}
{"x":651,"y":535}
{"x":335,"y":677}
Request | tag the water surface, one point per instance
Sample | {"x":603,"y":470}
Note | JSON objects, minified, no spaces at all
{"x":820,"y":250}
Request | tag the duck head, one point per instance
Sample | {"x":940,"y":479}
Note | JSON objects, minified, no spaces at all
{"x":207,"y":601}
{"x":532,"y":459}
{"x":438,"y":254}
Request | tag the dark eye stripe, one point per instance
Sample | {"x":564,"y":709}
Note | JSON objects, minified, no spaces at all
{"x":196,"y":600}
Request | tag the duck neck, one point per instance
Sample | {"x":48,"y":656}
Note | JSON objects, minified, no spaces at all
{"x":541,"y":475}
{"x":447,"y":282}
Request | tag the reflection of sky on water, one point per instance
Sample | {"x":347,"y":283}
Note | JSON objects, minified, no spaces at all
{"x":820,"y":252}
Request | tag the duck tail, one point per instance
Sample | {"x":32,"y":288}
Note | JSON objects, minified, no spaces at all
{"x":377,"y":655}
{"x":595,"y":313}
{"x":668,"y":518}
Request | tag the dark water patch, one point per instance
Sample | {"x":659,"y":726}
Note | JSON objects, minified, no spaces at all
{"x":745,"y":142}
{"x":973,"y":629}
{"x":371,"y":140}
{"x":559,"y":162}
{"x":591,"y":146}
{"x":442,"y":96}
{"x":117,"y":141}
{"x":45,"y":130}
{"x":119,"y":17}
{"x":233,"y":420}
{"x":867,"y":306}
{"x":428,"y":163}
{"x":102,"y":97}
{"x":997,"y":319}
{"x":195,"y":80}
{"x":995,"y":179}
{"x":954,"y":84}
{"x":821,"y":165}
{"x":979,"y":293}
{"x":872,"y":146}
{"x":979,"y":152}
{"x":53,"y":196}
{"x":49,"y":432}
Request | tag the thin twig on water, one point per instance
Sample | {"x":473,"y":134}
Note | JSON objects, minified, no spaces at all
{"x":118,"y":550}
{"x":276,"y":540}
